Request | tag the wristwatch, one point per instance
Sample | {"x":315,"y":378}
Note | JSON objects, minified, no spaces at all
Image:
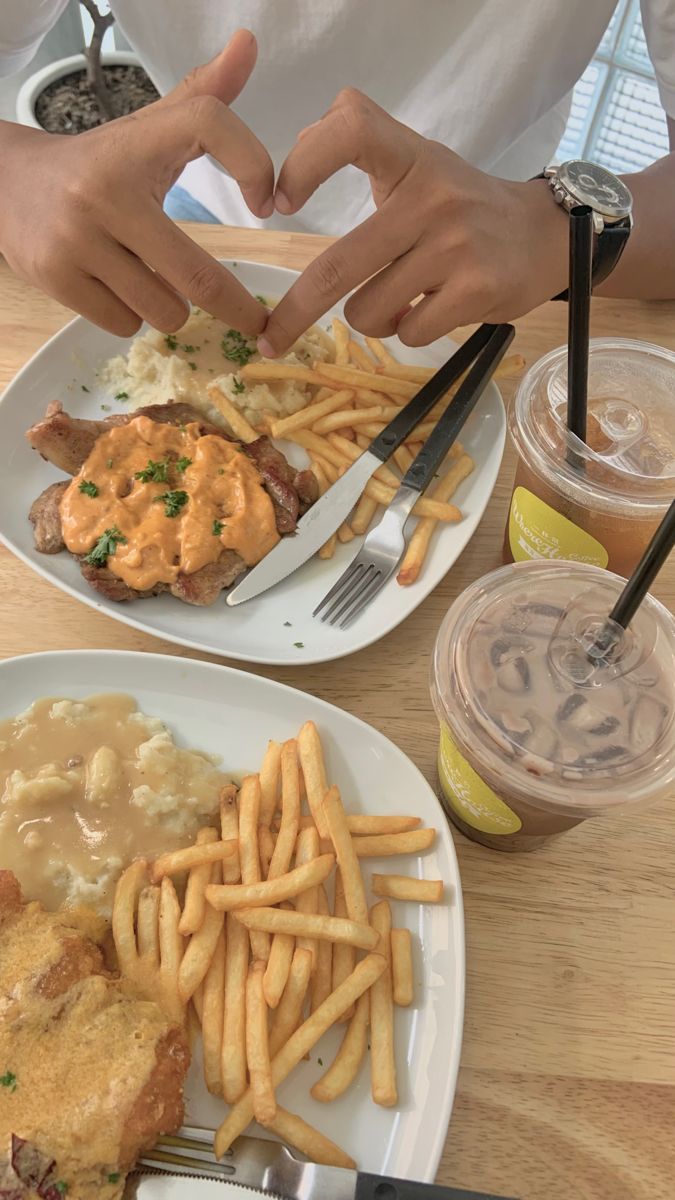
{"x":585,"y":183}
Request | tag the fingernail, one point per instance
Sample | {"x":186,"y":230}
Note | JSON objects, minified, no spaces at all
{"x":266,"y":348}
{"x":267,"y":208}
{"x":283,"y":204}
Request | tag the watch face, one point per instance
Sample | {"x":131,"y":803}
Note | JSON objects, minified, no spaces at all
{"x":593,"y":185}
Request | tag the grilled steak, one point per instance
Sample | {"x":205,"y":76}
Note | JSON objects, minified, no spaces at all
{"x":67,"y":442}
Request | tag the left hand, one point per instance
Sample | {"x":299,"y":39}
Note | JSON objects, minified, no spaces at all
{"x":475,"y":247}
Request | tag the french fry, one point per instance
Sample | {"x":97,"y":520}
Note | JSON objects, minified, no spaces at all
{"x":360,"y":824}
{"x":300,"y":1043}
{"x":249,"y":856}
{"x":288,"y":1014}
{"x":270,"y":773}
{"x":273,"y":372}
{"x":307,"y":849}
{"x":229,"y":831}
{"x":201,"y":947}
{"x":233,"y":1058}
{"x":176,"y":861}
{"x":212,"y":1006}
{"x":376,"y":399}
{"x":257,"y":1047}
{"x":403,"y":459}
{"x":352,"y":377}
{"x":347,"y":1062}
{"x":278,"y":968}
{"x":266,"y":847}
{"x":305,"y":417}
{"x":351,"y":452}
{"x":350,"y":871}
{"x":314,"y":773}
{"x":403,"y":887}
{"x":341,"y":339}
{"x":328,"y":548}
{"x":170,"y":950}
{"x":511,"y":364}
{"x":380,"y":352}
{"x":230,"y":896}
{"x":194,"y":906}
{"x":382,"y":1064}
{"x":129,"y":887}
{"x":322,"y":978}
{"x":401,"y":967}
{"x":345,"y":533}
{"x":241,"y":428}
{"x":148,"y":927}
{"x":314,"y":1145}
{"x":360,"y":357}
{"x":384,"y":844}
{"x":308,"y":925}
{"x":349,"y":418}
{"x":344,"y":956}
{"x":197,"y":1003}
{"x":290,"y":811}
{"x":417,"y":547}
{"x":363,"y":514}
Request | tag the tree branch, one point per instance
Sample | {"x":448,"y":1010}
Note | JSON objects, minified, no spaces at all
{"x":95,"y":77}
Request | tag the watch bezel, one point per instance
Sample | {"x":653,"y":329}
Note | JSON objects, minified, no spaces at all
{"x":612,"y":212}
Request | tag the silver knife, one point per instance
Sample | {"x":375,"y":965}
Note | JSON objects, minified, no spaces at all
{"x":269,"y":1167}
{"x":326,"y":516}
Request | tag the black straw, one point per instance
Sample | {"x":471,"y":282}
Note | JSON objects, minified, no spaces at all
{"x":578,"y":318}
{"x":646,"y":571}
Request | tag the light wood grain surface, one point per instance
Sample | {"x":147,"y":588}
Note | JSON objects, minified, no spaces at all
{"x":567,"y":1084}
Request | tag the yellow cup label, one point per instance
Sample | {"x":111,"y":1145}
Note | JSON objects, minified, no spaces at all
{"x":537,"y":531}
{"x":466,"y":793}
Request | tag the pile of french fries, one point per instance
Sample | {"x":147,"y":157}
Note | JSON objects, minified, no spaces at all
{"x":258,"y":958}
{"x":351,"y":401}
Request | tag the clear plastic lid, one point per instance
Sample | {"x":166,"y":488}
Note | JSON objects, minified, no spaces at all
{"x":550,"y":703}
{"x":628,"y":465}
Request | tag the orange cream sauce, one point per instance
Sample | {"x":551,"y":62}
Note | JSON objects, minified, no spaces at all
{"x":222,"y":485}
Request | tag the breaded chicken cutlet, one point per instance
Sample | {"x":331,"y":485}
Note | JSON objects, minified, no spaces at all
{"x":89,"y":1075}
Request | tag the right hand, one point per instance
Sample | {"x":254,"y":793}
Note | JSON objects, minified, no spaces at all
{"x":82,"y":217}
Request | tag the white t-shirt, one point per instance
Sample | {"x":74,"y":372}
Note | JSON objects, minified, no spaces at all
{"x":490,"y":78}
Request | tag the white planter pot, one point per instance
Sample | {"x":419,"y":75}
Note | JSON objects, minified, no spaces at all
{"x":35,"y":84}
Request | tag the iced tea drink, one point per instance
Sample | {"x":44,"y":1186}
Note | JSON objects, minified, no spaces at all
{"x":598,"y":502}
{"x":541,"y":728}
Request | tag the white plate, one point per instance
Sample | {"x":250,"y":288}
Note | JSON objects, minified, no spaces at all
{"x":256,"y":631}
{"x":231,"y":713}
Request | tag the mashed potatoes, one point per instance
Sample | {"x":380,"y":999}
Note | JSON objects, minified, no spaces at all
{"x":181,"y":366}
{"x":87,"y":786}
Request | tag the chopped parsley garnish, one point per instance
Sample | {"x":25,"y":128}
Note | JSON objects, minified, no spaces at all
{"x":235,"y":264}
{"x":183,"y":463}
{"x":121,"y":395}
{"x":105,"y":546}
{"x":105,"y":407}
{"x":84,"y":389}
{"x":109,"y":463}
{"x":287,"y":624}
{"x":238,"y":385}
{"x":236,"y":347}
{"x":217,"y":528}
{"x":114,"y":1177}
{"x":173,"y":502}
{"x":171,"y":341}
{"x":8,"y":1080}
{"x":221,"y":470}
{"x":261,"y":299}
{"x":190,"y":349}
{"x":320,"y":1061}
{"x":192,"y":366}
{"x":155,"y":472}
{"x":89,"y":488}
{"x":299,"y":645}
{"x":61,"y":1186}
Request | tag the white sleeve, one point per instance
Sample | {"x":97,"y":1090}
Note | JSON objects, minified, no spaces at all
{"x":658,"y":18}
{"x":22,"y":27}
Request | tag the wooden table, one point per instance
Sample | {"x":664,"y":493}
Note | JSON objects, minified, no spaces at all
{"x":567,"y":1084}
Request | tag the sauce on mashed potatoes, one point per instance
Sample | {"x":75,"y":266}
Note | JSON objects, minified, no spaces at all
{"x":181,"y":366}
{"x":87,"y":786}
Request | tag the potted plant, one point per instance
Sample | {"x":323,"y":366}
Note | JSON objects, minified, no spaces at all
{"x":85,"y":90}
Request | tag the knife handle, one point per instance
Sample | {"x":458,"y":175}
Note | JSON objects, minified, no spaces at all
{"x":380,"y":1187}
{"x":421,"y":471}
{"x":396,"y":432}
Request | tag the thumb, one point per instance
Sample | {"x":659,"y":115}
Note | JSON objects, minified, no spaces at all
{"x":224,"y":76}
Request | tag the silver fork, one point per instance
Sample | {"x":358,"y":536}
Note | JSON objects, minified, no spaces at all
{"x":384,"y":546}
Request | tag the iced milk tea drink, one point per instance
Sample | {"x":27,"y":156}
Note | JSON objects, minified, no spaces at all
{"x":601,"y":502}
{"x":539,"y":729}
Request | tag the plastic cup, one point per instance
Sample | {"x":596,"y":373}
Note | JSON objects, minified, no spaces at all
{"x":539,"y":731}
{"x":598,"y":502}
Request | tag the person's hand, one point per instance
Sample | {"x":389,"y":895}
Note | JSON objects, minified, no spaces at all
{"x":81,"y":217}
{"x":475,"y":247}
